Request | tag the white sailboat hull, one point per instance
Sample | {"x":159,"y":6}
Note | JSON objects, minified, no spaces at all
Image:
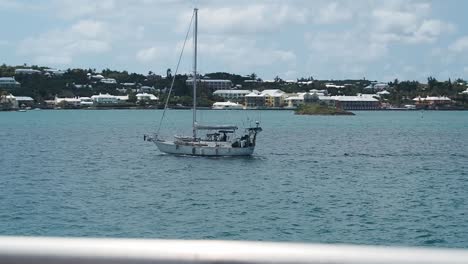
{"x":208,"y":150}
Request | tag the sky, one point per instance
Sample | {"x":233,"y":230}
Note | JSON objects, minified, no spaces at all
{"x":348,"y":39}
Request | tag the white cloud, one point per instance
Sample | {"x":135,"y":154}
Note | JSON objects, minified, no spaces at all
{"x":53,"y":60}
{"x":430,"y":30}
{"x":88,"y":28}
{"x":150,"y":54}
{"x":465,"y":70}
{"x":289,"y":75}
{"x":408,"y":22}
{"x":70,"y":9}
{"x":367,"y":39}
{"x":460,"y":45}
{"x":242,"y":53}
{"x":341,"y":36}
{"x":395,"y":21}
{"x":237,"y":54}
{"x":345,"y":46}
{"x":244,"y":19}
{"x":59,"y":47}
{"x":333,"y":13}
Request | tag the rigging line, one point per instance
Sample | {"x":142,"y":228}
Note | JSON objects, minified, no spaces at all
{"x":175,"y":74}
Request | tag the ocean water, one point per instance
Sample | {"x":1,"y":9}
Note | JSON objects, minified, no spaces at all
{"x":385,"y":178}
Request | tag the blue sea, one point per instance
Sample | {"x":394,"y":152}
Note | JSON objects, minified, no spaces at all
{"x":376,"y":178}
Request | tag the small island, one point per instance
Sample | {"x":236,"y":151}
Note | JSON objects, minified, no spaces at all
{"x":319,"y":109}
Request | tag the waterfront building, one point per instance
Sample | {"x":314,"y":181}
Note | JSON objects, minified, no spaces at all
{"x":8,"y":102}
{"x":9,"y":83}
{"x":232,"y":95}
{"x":295,"y":100}
{"x":212,"y":84}
{"x":146,"y":97}
{"x":121,"y":98}
{"x":86,"y":101}
{"x":358,"y":102}
{"x":432,"y":101}
{"x":274,"y":98}
{"x":26,"y":71}
{"x":302,"y":98}
{"x":255,"y":99}
{"x":24,"y":101}
{"x":73,"y":101}
{"x":265,"y":98}
{"x":105,"y":99}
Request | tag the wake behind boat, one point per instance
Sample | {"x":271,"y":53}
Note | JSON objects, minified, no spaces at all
{"x":219,"y":140}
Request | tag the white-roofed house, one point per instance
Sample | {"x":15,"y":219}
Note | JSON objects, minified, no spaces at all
{"x":295,"y":100}
{"x":24,"y":101}
{"x":383,"y":93}
{"x":26,"y":71}
{"x":332,"y":85}
{"x":121,"y":98}
{"x":67,"y":102}
{"x":381,"y":86}
{"x":303,"y":98}
{"x":232,"y":95}
{"x":55,"y":72}
{"x":432,"y":101}
{"x":108,"y":81}
{"x":9,"y":83}
{"x":146,"y":97}
{"x":86,"y":101}
{"x":8,"y":102}
{"x":377,"y":86}
{"x":212,"y":84}
{"x":96,"y":77}
{"x":274,"y":97}
{"x":359,"y":102}
{"x":319,"y":92}
{"x":103,"y":99}
{"x":255,"y":99}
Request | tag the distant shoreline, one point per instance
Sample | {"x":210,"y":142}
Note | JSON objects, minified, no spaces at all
{"x":208,"y":109}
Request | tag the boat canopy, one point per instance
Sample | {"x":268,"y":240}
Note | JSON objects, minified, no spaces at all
{"x":215,"y":127}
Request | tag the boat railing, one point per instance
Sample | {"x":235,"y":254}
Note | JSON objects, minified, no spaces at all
{"x":90,"y":250}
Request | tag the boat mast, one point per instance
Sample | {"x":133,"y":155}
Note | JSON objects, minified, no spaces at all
{"x":195,"y":74}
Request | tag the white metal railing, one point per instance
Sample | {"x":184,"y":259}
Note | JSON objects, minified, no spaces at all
{"x":84,"y":250}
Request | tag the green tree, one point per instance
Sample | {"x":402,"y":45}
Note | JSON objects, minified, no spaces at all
{"x":132,"y":98}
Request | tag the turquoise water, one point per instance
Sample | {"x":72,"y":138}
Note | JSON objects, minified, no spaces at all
{"x":386,"y":178}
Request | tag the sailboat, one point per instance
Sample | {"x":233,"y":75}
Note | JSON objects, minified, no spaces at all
{"x":217,"y":140}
